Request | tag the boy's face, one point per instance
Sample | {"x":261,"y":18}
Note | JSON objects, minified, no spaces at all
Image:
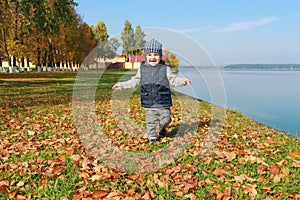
{"x":153,"y":59}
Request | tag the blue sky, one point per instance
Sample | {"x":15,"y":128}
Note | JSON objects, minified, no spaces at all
{"x":231,"y":31}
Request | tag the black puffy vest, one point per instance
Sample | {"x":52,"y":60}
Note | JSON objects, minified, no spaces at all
{"x":155,"y":87}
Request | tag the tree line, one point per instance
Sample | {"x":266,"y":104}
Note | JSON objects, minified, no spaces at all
{"x":133,"y":42}
{"x":50,"y":33}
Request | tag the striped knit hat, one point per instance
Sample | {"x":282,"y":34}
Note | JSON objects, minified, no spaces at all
{"x":153,"y":46}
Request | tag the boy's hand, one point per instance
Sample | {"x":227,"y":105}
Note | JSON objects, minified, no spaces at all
{"x":116,"y":87}
{"x":186,"y":82}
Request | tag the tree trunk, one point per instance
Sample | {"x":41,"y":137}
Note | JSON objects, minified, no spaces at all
{"x":14,"y":61}
{"x":38,"y":59}
{"x":28,"y":64}
{"x":5,"y":46}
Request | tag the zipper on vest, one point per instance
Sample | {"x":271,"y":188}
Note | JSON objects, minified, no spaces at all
{"x":152,"y":85}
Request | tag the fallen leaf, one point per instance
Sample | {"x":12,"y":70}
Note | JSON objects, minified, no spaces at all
{"x":230,"y":156}
{"x":99,"y":194}
{"x":12,"y":194}
{"x":31,"y":133}
{"x":267,"y":189}
{"x":274,"y":170}
{"x":240,"y":178}
{"x":4,"y":189}
{"x":96,"y":177}
{"x":219,"y":196}
{"x":20,"y":197}
{"x":227,"y":193}
{"x":179,"y":194}
{"x":277,"y":178}
{"x":20,"y":184}
{"x":296,"y":163}
{"x":208,"y":181}
{"x":219,"y":172}
{"x":262,"y":169}
{"x":285,"y":172}
{"x":262,"y":180}
{"x":146,"y":196}
{"x":252,"y":159}
{"x":294,"y":154}
{"x":251,"y":190}
{"x":282,"y":162}
{"x":84,"y":175}
{"x":131,"y":191}
{"x":242,"y":161}
{"x":57,"y":170}
{"x":69,"y":151}
{"x":152,"y":195}
{"x":190,"y":196}
{"x":115,"y":195}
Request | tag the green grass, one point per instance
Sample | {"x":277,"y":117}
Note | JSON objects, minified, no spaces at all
{"x":44,"y":157}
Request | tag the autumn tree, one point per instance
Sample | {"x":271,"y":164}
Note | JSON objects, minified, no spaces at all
{"x":100,"y":32}
{"x":4,"y":20}
{"x":112,"y":47}
{"x":106,"y":47}
{"x":171,"y":59}
{"x":10,"y":28}
{"x":127,"y":37}
{"x":44,"y":32}
{"x":54,"y":14}
{"x":67,"y":43}
{"x":101,"y":36}
{"x":133,"y":41}
{"x":33,"y":29}
{"x":139,"y":40}
{"x":87,"y":41}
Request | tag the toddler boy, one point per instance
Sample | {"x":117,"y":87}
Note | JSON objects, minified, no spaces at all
{"x":155,"y":78}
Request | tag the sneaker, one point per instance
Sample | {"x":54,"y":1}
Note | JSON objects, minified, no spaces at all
{"x":152,"y":141}
{"x":163,"y":133}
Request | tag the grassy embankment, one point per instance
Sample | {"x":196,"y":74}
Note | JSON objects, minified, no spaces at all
{"x":43,"y":157}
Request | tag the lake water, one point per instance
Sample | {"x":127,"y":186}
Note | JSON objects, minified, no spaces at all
{"x":270,"y":96}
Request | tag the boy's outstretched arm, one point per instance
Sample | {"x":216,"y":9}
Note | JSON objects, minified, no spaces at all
{"x":132,"y":83}
{"x":175,"y":80}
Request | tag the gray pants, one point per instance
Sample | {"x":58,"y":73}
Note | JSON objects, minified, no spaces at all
{"x":157,"y":117}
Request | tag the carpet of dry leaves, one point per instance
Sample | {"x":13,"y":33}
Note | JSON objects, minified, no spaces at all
{"x":44,"y":157}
